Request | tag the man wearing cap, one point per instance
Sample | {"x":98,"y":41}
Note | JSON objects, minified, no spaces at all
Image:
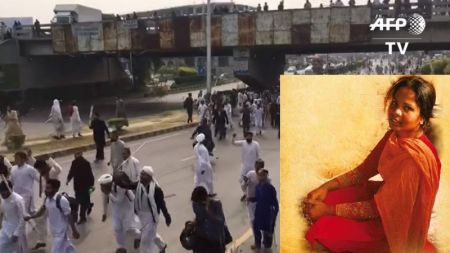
{"x":249,"y":155}
{"x":203,"y":170}
{"x":122,"y":209}
{"x":148,"y":204}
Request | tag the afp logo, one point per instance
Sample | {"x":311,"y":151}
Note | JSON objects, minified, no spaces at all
{"x":415,"y":24}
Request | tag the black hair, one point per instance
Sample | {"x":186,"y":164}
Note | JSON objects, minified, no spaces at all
{"x":21,"y":154}
{"x":425,"y":95}
{"x":40,"y":164}
{"x":54,"y":183}
{"x":199,"y":194}
{"x":3,"y":186}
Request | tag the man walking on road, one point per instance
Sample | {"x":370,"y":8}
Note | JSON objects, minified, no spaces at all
{"x":189,"y":106}
{"x":100,"y":129}
{"x":249,"y":187}
{"x":249,"y":155}
{"x":148,"y":204}
{"x":48,"y":169}
{"x":122,"y":209}
{"x":59,"y":218}
{"x":202,"y":108}
{"x":12,"y":233}
{"x":203,"y":170}
{"x":266,"y":212}
{"x":130,"y":165}
{"x":23,"y":177}
{"x":117,"y":148}
{"x":83,"y":180}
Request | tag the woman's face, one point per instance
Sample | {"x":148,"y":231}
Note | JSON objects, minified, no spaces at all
{"x":404,"y":113}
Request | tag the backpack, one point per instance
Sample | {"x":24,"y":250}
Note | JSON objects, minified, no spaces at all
{"x":73,"y":203}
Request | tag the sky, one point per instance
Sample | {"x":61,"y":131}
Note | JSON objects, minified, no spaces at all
{"x":43,"y":9}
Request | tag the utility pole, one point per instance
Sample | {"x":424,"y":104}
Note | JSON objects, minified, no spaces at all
{"x":208,"y":47}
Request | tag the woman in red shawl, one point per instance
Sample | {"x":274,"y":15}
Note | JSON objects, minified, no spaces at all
{"x":352,"y":214}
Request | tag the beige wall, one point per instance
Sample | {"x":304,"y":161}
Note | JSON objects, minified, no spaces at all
{"x":329,"y":125}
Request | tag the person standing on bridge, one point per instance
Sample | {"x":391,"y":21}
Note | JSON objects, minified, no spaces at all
{"x":203,"y":170}
{"x":57,"y":119}
{"x":117,"y":148}
{"x":12,"y":233}
{"x":189,"y":106}
{"x":75,"y":121}
{"x":122,"y":209}
{"x":100,"y":129}
{"x":249,"y":155}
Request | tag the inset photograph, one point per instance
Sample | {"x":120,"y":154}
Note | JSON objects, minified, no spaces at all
{"x":363,"y":163}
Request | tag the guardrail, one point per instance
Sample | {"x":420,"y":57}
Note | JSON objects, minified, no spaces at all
{"x":435,"y":11}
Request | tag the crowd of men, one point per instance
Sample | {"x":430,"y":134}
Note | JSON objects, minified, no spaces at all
{"x":135,"y":196}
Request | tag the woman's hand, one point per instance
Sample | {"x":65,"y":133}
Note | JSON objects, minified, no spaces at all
{"x":318,"y":209}
{"x":318,"y":194}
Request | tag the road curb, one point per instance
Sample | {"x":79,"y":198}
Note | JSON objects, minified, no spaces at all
{"x":129,"y":137}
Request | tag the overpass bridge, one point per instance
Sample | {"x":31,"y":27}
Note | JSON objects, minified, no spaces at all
{"x":257,"y":40}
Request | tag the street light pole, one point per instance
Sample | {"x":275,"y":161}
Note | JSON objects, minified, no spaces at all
{"x":208,"y":48}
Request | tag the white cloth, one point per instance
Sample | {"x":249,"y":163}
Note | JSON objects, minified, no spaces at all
{"x":131,"y":168}
{"x":259,"y":118}
{"x":41,"y":222}
{"x":250,"y":185}
{"x":202,"y":108}
{"x":13,"y":224}
{"x":145,"y":202}
{"x":75,"y":120}
{"x":251,"y":207}
{"x":229,"y":112}
{"x":59,"y":225}
{"x":203,"y":171}
{"x":116,"y":159}
{"x":249,"y":155}
{"x":122,"y":211}
{"x":148,"y":234}
{"x":56,"y":118}
{"x":23,"y":179}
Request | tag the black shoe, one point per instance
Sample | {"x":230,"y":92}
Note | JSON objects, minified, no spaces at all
{"x":137,"y":242}
{"x":89,"y":210}
{"x":39,"y":245}
{"x":243,"y":198}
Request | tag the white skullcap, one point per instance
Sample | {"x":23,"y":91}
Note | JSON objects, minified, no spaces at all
{"x":105,"y":179}
{"x":148,"y":170}
{"x":200,"y":138}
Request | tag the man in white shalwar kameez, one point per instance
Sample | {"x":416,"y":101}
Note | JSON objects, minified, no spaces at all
{"x":117,"y":148}
{"x":75,"y":121}
{"x":122,"y":209}
{"x":259,"y":113}
{"x":148,"y":203}
{"x":23,"y":177}
{"x":229,"y":110}
{"x":59,"y":218}
{"x":202,"y":108}
{"x":130,"y":165}
{"x":57,"y":120}
{"x":249,"y":187}
{"x":203,"y":170}
{"x":12,"y":233}
{"x":249,"y":155}
{"x":48,"y":169}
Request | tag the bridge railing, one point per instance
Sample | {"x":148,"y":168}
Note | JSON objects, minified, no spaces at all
{"x":31,"y":32}
{"x":431,"y":10}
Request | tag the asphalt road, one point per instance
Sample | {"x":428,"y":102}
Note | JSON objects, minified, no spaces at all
{"x":171,"y":156}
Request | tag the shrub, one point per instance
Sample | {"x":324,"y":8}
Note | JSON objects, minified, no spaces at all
{"x":425,"y":69}
{"x":15,"y":142}
{"x":438,"y":66}
{"x":117,"y":123}
{"x":447,"y":69}
{"x":186,"y":71}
